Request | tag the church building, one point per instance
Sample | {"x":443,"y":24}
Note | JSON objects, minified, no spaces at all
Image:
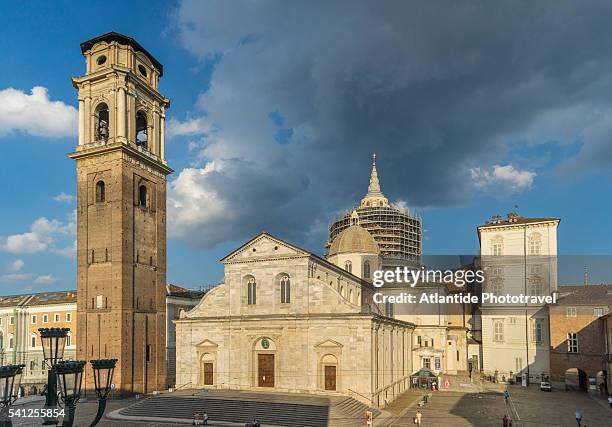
{"x":287,"y":320}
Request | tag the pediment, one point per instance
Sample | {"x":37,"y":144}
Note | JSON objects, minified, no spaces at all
{"x":208,"y":344}
{"x":329,"y":343}
{"x":264,"y":246}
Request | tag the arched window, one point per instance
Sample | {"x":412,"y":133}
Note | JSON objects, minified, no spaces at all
{"x":351,"y":296}
{"x":100,"y":192}
{"x":366,"y":270}
{"x":251,"y":291}
{"x":285,"y":289}
{"x":348,"y":266}
{"x":102,"y":123}
{"x":142,"y":195}
{"x":142,"y":138}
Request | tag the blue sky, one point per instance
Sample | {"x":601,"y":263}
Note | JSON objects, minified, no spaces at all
{"x":276,"y":111}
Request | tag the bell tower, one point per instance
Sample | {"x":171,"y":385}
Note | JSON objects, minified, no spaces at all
{"x":121,"y":213}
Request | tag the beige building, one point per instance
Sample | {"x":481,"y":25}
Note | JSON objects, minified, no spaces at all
{"x":20,"y":318}
{"x":518,"y":256}
{"x":121,"y":212}
{"x":286,"y":320}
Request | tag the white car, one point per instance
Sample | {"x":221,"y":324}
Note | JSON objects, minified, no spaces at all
{"x":545,"y":386}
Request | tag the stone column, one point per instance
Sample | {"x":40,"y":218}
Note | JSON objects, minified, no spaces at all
{"x":121,"y":113}
{"x":162,"y":138}
{"x":81,"y":121}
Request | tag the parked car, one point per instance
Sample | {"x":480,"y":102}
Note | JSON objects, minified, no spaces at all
{"x":545,"y":386}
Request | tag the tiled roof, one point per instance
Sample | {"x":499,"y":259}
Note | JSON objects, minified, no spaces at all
{"x":596,"y":295}
{"x":515,"y":221}
{"x":177,"y":291}
{"x":46,"y":298}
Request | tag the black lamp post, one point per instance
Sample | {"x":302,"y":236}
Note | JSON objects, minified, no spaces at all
{"x":103,"y":378}
{"x":10,"y":379}
{"x":53,"y":342}
{"x":69,"y":376}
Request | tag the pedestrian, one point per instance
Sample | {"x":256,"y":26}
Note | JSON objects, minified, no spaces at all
{"x":256,"y":423}
{"x":578,"y":417}
{"x":205,"y":419}
{"x":506,"y":395}
{"x":610,"y":400}
{"x":418,"y":417}
{"x":505,"y":421}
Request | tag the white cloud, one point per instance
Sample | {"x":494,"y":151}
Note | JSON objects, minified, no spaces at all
{"x":193,"y":126}
{"x":44,"y":235}
{"x":503,"y":178}
{"x":45,"y":280}
{"x":63,"y":197}
{"x":14,"y":277}
{"x":36,"y":114}
{"x":16,"y":266}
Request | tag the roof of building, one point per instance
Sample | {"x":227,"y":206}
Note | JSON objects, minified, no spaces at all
{"x":122,"y":39}
{"x":45,"y":298}
{"x":596,"y":295}
{"x":514,"y":219}
{"x":354,"y":239}
{"x":178,"y":291}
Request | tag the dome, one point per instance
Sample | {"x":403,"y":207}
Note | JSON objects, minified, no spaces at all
{"x":354,"y":239}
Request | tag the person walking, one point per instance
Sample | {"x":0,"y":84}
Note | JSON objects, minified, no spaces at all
{"x":506,"y":395}
{"x":205,"y":419}
{"x":418,"y":417}
{"x":610,"y":400}
{"x":578,"y":417}
{"x":505,"y":421}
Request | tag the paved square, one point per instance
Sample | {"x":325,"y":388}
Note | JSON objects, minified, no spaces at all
{"x":534,"y":408}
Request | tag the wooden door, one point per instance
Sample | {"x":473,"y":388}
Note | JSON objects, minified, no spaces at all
{"x":208,"y":373}
{"x":330,"y":377}
{"x":265,"y":370}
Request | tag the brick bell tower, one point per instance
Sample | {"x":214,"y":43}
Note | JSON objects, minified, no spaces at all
{"x":121,"y":213}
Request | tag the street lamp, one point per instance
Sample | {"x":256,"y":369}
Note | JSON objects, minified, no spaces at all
{"x":10,"y":379}
{"x":103,"y":378}
{"x":53,"y":343}
{"x":69,"y":375}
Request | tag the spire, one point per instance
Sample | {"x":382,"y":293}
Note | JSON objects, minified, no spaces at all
{"x":374,"y":197}
{"x":374,"y":187}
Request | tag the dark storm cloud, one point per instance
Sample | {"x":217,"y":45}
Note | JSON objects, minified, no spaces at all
{"x":437,"y":90}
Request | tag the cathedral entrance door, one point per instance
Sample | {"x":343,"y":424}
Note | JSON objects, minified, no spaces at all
{"x":265,"y":370}
{"x":330,"y":378}
{"x":208,"y":373}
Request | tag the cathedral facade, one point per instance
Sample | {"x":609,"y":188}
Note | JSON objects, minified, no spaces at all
{"x":287,"y":320}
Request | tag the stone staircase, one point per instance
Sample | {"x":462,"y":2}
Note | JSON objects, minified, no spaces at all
{"x":229,"y":410}
{"x":237,"y":407}
{"x":349,"y":412}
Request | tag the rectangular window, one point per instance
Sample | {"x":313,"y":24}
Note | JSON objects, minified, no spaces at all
{"x":56,"y":317}
{"x":99,"y":301}
{"x":513,"y":320}
{"x":537,"y":330}
{"x":33,"y":341}
{"x":457,"y":355}
{"x":570,"y":312}
{"x":498,"y":330}
{"x":518,"y":362}
{"x":598,"y":312}
{"x":33,"y":319}
{"x":427,"y":362}
{"x":45,"y":318}
{"x":252,"y":293}
{"x":12,"y":320}
{"x":68,"y":339}
{"x":572,"y":342}
{"x":68,"y":317}
{"x":148,"y":352}
{"x":419,"y":342}
{"x":497,"y":249}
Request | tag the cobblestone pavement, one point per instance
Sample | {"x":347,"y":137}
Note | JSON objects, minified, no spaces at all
{"x":527,"y":407}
